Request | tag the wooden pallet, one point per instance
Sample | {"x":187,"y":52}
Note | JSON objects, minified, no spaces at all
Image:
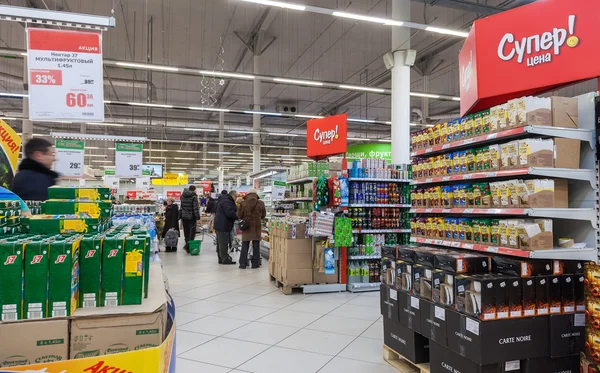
{"x":285,"y":288}
{"x":402,"y":364}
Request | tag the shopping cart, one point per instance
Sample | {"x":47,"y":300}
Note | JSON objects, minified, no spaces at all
{"x":235,"y":241}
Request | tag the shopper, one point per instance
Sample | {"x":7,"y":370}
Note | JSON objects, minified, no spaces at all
{"x":190,"y":214}
{"x":252,"y":211}
{"x":224,"y":219}
{"x":211,"y":209}
{"x":171,"y":222}
{"x":34,"y":176}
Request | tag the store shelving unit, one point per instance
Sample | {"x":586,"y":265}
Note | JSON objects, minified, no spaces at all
{"x":588,"y":214}
{"x":390,"y":230}
{"x":362,"y":287}
{"x":396,"y":205}
{"x":298,"y":199}
{"x":303,"y":180}
{"x":381,"y":180}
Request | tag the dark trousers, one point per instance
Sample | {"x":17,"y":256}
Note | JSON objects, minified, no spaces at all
{"x":223,"y":245}
{"x":255,"y":253}
{"x":189,"y":231}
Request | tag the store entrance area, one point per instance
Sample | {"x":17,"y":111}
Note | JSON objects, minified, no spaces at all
{"x":234,"y":320}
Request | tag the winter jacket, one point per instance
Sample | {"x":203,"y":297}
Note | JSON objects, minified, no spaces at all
{"x":211,"y":206}
{"x":171,"y":218}
{"x":32,"y":181}
{"x":253,"y":211}
{"x":226,"y":214}
{"x":190,"y":210}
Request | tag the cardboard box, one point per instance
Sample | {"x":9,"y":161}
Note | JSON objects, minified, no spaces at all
{"x":133,"y":276}
{"x":567,"y":334}
{"x":476,"y":295}
{"x":565,"y":112}
{"x":32,"y":342}
{"x":521,"y":267}
{"x":297,"y":246}
{"x":296,"y":276}
{"x":11,"y":277}
{"x":579,"y":293}
{"x":50,"y":224}
{"x":462,"y":262}
{"x":94,"y":209}
{"x":529,"y":296}
{"x":63,"y":279}
{"x":35,"y":284}
{"x":390,"y":303}
{"x":404,"y":276}
{"x":569,"y":364}
{"x":410,"y":312}
{"x":515,"y":297}
{"x":490,"y":342}
{"x":566,"y":153}
{"x":90,"y":264}
{"x":388,"y":265}
{"x":294,"y":231}
{"x":405,"y":342}
{"x":80,"y":193}
{"x":444,"y":360}
{"x":113,"y":252}
{"x":322,"y":278}
{"x":539,"y":117}
{"x":558,"y":198}
{"x":542,"y":295}
{"x":433,"y":322}
{"x":422,"y":285}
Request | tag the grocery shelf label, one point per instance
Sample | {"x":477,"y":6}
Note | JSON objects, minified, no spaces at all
{"x":65,"y":75}
{"x":128,"y":160}
{"x":69,"y":157}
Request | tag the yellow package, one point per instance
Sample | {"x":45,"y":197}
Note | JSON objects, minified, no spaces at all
{"x":493,"y":119}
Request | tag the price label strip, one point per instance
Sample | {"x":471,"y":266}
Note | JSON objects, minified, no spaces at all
{"x":128,"y":160}
{"x":69,"y":157}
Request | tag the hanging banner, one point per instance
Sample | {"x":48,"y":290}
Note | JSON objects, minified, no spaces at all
{"x":327,"y":136}
{"x":379,"y":150}
{"x":128,"y":159}
{"x":69,"y":157}
{"x":278,"y":190}
{"x":112,"y":182}
{"x":142,"y":183}
{"x":11,"y":145}
{"x":171,"y":179}
{"x":65,"y":75}
{"x":174,"y":195}
{"x":519,"y":52}
{"x":206,"y":185}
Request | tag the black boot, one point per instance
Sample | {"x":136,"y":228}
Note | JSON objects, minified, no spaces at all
{"x":228,"y":261}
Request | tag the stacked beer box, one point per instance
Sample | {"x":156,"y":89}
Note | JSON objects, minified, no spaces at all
{"x":482,"y":313}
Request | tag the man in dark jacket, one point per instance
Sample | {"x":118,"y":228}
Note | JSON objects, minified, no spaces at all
{"x":226,"y":216}
{"x":190,"y":214}
{"x":34,"y":177}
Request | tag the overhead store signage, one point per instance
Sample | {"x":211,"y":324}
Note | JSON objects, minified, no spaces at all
{"x":171,"y":179}
{"x":65,"y":75}
{"x":278,"y":190}
{"x":142,"y":183}
{"x":11,"y":145}
{"x":206,"y":185}
{"x":69,"y":157}
{"x":327,"y":136}
{"x":174,"y":195}
{"x":379,"y":150}
{"x":529,"y":50}
{"x":112,"y":182}
{"x":128,"y":160}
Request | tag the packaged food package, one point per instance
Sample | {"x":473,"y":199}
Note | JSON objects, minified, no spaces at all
{"x":502,"y":115}
{"x":512,"y":117}
{"x":494,"y":155}
{"x":536,"y":153}
{"x":493,"y":119}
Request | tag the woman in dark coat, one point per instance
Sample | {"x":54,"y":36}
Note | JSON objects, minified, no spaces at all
{"x":171,"y":219}
{"x":253,"y":211}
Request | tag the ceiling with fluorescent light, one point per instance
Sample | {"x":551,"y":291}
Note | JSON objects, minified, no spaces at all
{"x":298,"y":45}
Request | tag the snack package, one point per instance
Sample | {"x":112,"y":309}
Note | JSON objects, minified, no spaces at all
{"x":493,"y":119}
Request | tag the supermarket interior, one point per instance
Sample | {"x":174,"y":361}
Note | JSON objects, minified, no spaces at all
{"x":302,"y":186}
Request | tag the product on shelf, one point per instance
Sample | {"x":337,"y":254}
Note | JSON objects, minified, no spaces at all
{"x":80,"y":193}
{"x":375,"y":168}
{"x":379,"y":193}
{"x":95,"y":209}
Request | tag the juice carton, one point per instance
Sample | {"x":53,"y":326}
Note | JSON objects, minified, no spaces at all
{"x":94,"y":209}
{"x":11,"y":278}
{"x":90,"y":264}
{"x":133,"y":279}
{"x":35,"y":286}
{"x":113,"y":249}
{"x":83,"y":193}
{"x":63,"y":282}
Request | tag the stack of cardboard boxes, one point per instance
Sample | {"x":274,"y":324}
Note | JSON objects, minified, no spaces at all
{"x":473,"y":313}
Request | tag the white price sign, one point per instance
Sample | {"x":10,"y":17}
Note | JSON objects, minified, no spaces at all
{"x":69,"y":157}
{"x":112,"y":182}
{"x":65,"y":75}
{"x":278,"y":191}
{"x":128,"y":160}
{"x":142,"y":183}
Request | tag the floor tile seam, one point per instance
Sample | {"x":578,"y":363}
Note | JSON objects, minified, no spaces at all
{"x":208,"y":335}
{"x":202,"y":362}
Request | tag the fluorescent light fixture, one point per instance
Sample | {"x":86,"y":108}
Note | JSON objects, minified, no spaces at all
{"x":218,"y":152}
{"x":359,"y":88}
{"x":299,"y":82}
{"x":150,"y":105}
{"x":242,"y":131}
{"x":92,"y":147}
{"x":147,"y":66}
{"x":95,"y":155}
{"x":446,"y":31}
{"x":282,"y":134}
{"x":9,"y":94}
{"x":358,"y":139}
{"x":361,"y":120}
{"x":106,"y":124}
{"x":226,"y":75}
{"x":98,"y":161}
{"x":23,"y":54}
{"x":199,"y":129}
{"x":277,"y":3}
{"x":388,"y":122}
{"x":8,"y":118}
{"x":184,"y":159}
{"x":384,"y":140}
{"x":208,"y":109}
{"x":261,"y":113}
{"x":456,"y":98}
{"x":308,"y":116}
{"x":360,"y":17}
{"x":427,"y":95}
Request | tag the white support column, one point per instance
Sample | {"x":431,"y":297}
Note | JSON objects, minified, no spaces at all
{"x":256,"y":118}
{"x":221,"y":136}
{"x":221,"y":180}
{"x":425,"y":100}
{"x":27,"y":133}
{"x":400,"y":85}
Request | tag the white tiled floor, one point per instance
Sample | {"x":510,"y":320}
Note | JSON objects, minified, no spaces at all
{"x":233,"y":320}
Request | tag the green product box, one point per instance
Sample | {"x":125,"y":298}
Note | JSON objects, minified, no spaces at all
{"x":63,"y":279}
{"x":11,"y":278}
{"x":10,"y":211}
{"x":35,"y":285}
{"x":65,"y":223}
{"x":94,"y":209}
{"x":133,"y":279}
{"x":113,"y":249}
{"x":82,"y":193}
{"x":147,"y":253}
{"x":90,"y":264}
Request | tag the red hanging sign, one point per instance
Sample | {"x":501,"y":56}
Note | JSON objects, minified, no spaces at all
{"x":132,"y":194}
{"x":175,"y":195}
{"x":206,"y":185}
{"x":529,"y":50}
{"x":327,"y":136}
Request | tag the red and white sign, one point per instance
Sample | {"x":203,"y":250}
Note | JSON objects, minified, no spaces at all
{"x":327,"y":136}
{"x":206,"y":185}
{"x":528,"y":50}
{"x":174,"y":195}
{"x":65,"y":75}
{"x":132,"y":194}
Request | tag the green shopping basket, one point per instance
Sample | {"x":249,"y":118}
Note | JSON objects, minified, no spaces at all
{"x":194,"y":246}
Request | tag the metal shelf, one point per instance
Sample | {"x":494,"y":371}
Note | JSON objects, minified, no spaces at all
{"x":558,"y":213}
{"x":390,"y":230}
{"x":590,"y":254}
{"x":362,"y":287}
{"x":397,"y":205}
{"x":568,"y":133}
{"x":364,"y":257}
{"x":562,"y":173}
{"x":302,"y":180}
{"x":323,"y":288}
{"x":379,"y":179}
{"x":299,"y":199}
